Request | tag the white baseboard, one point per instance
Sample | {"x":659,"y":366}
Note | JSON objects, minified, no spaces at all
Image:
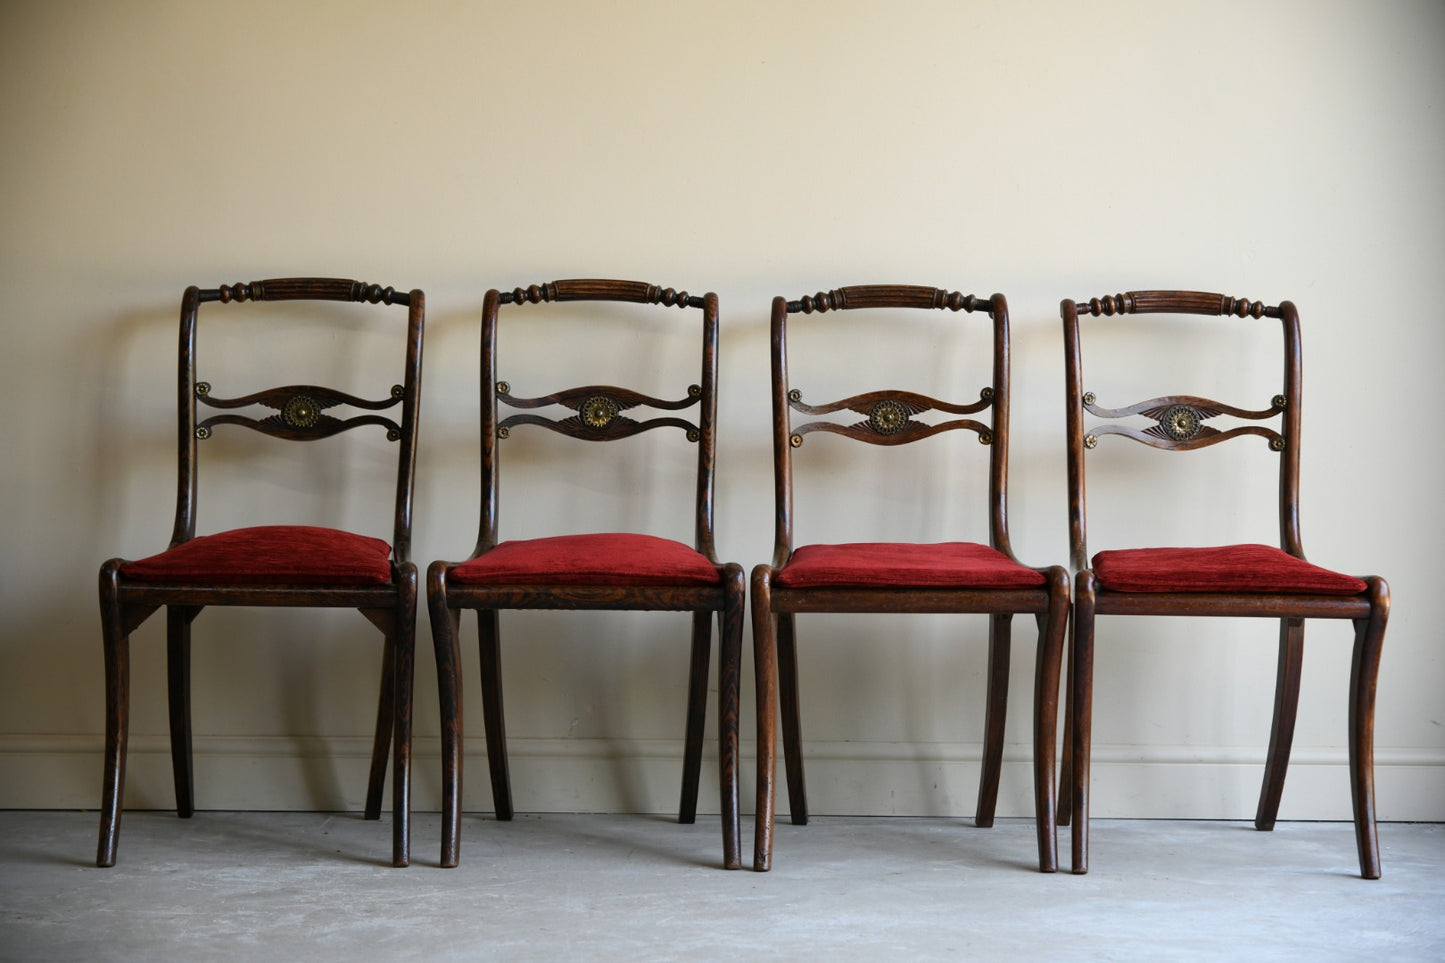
{"x":620,"y":775}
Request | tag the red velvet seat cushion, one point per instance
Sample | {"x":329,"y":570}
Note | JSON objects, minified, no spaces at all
{"x":943,"y":565}
{"x":1227,"y":568}
{"x":602,"y":559}
{"x":270,"y":555}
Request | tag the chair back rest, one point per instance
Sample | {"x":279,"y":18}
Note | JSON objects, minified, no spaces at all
{"x":300,"y":412}
{"x":1179,"y":420}
{"x":889,"y":415}
{"x":600,"y":412}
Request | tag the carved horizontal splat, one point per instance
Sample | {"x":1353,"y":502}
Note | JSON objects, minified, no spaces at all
{"x":1204,"y":404}
{"x":598,"y":412}
{"x":1175,"y":302}
{"x":889,"y":417}
{"x":1179,"y":422}
{"x":299,"y":289}
{"x":300,"y":412}
{"x":885,"y":295}
{"x":601,"y":290}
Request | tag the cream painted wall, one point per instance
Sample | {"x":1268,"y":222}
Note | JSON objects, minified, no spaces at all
{"x":1277,"y":150}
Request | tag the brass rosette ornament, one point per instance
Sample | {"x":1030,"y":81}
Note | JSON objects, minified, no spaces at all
{"x":301,"y":411}
{"x":888,"y":417}
{"x":597,"y":412}
{"x":1181,"y":422}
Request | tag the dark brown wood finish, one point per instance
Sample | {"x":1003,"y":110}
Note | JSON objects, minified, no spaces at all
{"x":1179,"y":427}
{"x":595,"y":414}
{"x":126,"y":603}
{"x":889,"y":421}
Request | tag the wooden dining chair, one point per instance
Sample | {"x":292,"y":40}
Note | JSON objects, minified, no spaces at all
{"x":899,"y":577}
{"x":1240,"y":580}
{"x":592,"y":571}
{"x":272,"y":565}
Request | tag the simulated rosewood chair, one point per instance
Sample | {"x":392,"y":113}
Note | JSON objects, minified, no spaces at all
{"x":615,"y":570}
{"x":1247,"y":580}
{"x":948,"y":577}
{"x":272,"y":565}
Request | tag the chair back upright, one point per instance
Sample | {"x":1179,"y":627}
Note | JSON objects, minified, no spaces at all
{"x":300,"y":412}
{"x":600,"y":413}
{"x":890,"y":416}
{"x":1179,"y":421}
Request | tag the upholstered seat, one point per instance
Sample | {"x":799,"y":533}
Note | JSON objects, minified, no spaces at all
{"x":613,"y":558}
{"x":903,"y":564}
{"x":270,"y":555}
{"x":1225,"y":568}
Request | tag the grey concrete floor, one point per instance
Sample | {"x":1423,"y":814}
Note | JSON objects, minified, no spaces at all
{"x":310,"y":886}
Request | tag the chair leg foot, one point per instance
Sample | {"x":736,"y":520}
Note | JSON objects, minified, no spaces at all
{"x":695,"y":725}
{"x":1051,"y":626}
{"x":730,"y":659}
{"x":446,"y":631}
{"x":765,"y":672}
{"x":493,"y":717}
{"x":381,"y":739}
{"x":786,"y":649}
{"x":1364,"y":673}
{"x":995,"y":716}
{"x":1081,"y":715}
{"x":116,"y":640}
{"x":178,"y":693}
{"x":1281,"y":734}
